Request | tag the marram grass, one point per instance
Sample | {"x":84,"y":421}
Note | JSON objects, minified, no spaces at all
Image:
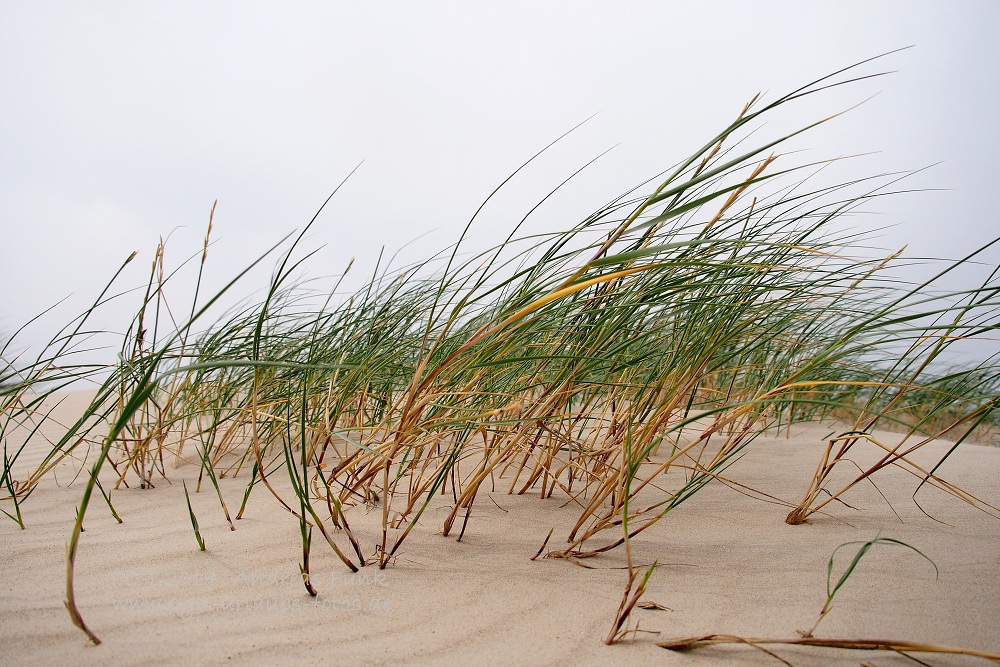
{"x":682,"y":322}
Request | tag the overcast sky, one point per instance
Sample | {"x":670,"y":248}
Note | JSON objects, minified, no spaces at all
{"x":123,"y":121}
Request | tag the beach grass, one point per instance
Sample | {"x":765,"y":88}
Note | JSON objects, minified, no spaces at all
{"x":682,"y":320}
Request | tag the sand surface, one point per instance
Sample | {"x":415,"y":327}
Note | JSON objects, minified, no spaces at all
{"x":728,"y":564}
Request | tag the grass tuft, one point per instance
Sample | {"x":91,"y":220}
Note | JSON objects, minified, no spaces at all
{"x":661,"y":335}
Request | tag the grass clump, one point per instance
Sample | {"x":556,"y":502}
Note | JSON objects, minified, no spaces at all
{"x":666,"y":331}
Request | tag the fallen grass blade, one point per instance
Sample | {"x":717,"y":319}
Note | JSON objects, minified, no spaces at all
{"x":691,"y":643}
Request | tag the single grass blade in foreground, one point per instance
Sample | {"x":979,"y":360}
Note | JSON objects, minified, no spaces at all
{"x":194,"y":519}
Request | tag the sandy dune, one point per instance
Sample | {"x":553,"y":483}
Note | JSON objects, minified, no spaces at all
{"x":728,"y":564}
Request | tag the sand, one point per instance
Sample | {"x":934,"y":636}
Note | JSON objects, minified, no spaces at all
{"x":727,"y":564}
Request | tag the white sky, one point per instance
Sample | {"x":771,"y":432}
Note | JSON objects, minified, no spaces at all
{"x":121,"y":121}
